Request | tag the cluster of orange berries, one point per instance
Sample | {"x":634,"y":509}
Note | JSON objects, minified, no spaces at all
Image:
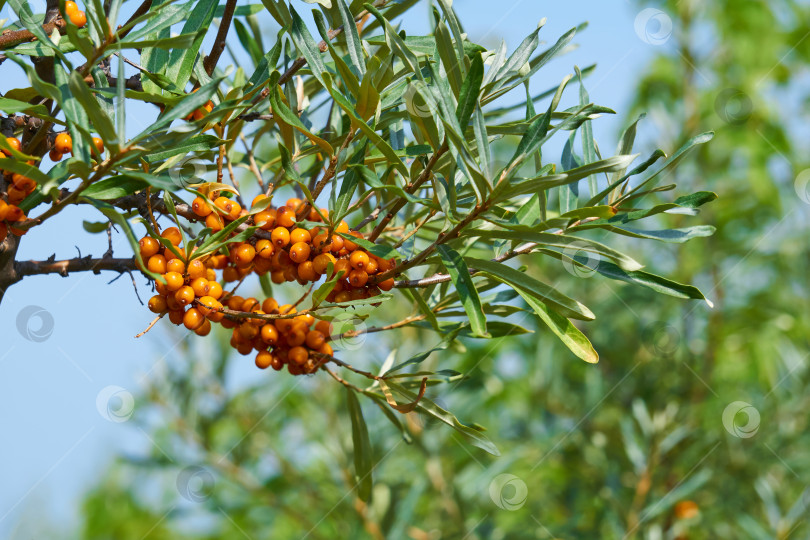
{"x":19,"y":187}
{"x":191,"y":295}
{"x":74,"y":14}
{"x":63,"y":144}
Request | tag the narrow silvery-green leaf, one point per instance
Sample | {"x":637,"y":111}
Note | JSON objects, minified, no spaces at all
{"x":308,"y":48}
{"x":363,"y":460}
{"x":460,"y":274}
{"x":353,"y":43}
{"x":470,"y":90}
{"x":181,"y":61}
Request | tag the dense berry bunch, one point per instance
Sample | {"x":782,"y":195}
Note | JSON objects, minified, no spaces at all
{"x":192,"y":292}
{"x":74,"y":14}
{"x":18,"y":187}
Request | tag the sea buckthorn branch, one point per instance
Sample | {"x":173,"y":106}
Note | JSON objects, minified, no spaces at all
{"x":210,"y":62}
{"x":77,"y":264}
{"x":409,"y":188}
{"x":13,"y":38}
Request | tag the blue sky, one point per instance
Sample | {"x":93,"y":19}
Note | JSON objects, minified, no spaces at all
{"x":56,"y":443}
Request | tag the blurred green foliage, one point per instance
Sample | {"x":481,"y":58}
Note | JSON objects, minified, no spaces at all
{"x":605,"y":451}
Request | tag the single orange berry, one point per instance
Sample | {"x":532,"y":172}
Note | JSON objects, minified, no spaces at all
{"x":176,"y":316}
{"x":342,"y":267}
{"x":387,"y":284}
{"x":372,"y":267}
{"x":264,"y":360}
{"x":13,"y":142}
{"x":230,"y":274}
{"x":23,"y":183}
{"x":196,"y":269}
{"x":63,"y":143}
{"x":358,"y":278}
{"x":172,"y":234}
{"x":266,"y":219}
{"x":324,"y":327}
{"x":359,"y":260}
{"x":200,"y":286}
{"x":200,"y":207}
{"x":214,"y":222}
{"x":280,"y":236}
{"x":157,"y":304}
{"x":300,"y":235}
{"x":269,"y":334}
{"x":70,"y":8}
{"x":250,"y":304}
{"x":257,"y":199}
{"x":277,"y":277}
{"x":343,"y":296}
{"x":321,"y":263}
{"x":204,"y":329}
{"x":157,"y":264}
{"x":245,"y":254}
{"x":315,"y":339}
{"x":264,"y":248}
{"x":175,"y":265}
{"x":299,"y":355}
{"x":299,"y":252}
{"x":55,"y":155}
{"x":336,"y":243}
{"x":343,"y":227}
{"x":293,"y":203}
{"x":285,"y":217}
{"x":214,"y":289}
{"x":269,"y":305}
{"x":174,"y":280}
{"x":306,"y":272}
{"x":326,"y":349}
{"x":99,"y":144}
{"x":193,"y":319}
{"x":184,"y":295}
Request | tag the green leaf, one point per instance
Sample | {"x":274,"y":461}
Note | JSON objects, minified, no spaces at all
{"x":470,"y":90}
{"x":675,"y":236}
{"x":101,"y":121}
{"x":676,"y":157}
{"x":588,"y":143}
{"x":561,"y":241}
{"x":283,"y":111}
{"x":181,"y":60}
{"x":563,"y":329}
{"x":114,"y":187}
{"x":349,"y":184}
{"x":426,"y":406}
{"x":467,"y":292}
{"x":522,"y":282}
{"x":363,"y":460}
{"x":308,"y":48}
{"x":353,"y":43}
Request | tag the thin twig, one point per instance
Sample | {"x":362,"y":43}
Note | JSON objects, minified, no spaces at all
{"x":151,"y":324}
{"x":210,"y":62}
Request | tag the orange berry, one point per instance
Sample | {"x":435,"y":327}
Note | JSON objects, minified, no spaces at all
{"x":169,"y":254}
{"x":79,"y":18}
{"x":343,"y":227}
{"x":207,"y":305}
{"x":176,"y":316}
{"x":214,"y":222}
{"x":277,"y":277}
{"x":236,"y":211}
{"x":248,"y":331}
{"x":174,"y":280}
{"x":244,"y":349}
{"x":196,"y":269}
{"x":342,"y":267}
{"x":314,"y":215}
{"x":200,"y":207}
{"x":214,"y":289}
{"x":14,"y":213}
{"x":204,"y":329}
{"x":269,"y":305}
{"x":230,"y":274}
{"x":348,"y":245}
{"x":157,"y":264}
{"x":299,"y":252}
{"x":257,"y":199}
{"x":300,"y":235}
{"x":172,"y":234}
{"x":269,"y":334}
{"x":686,"y":510}
{"x":321,"y":263}
{"x":99,"y":144}
{"x":63,"y":143}
{"x":225,"y":204}
{"x":3,"y":209}
{"x":359,"y":260}
{"x":175,"y":265}
{"x":266,"y":219}
{"x":299,"y":355}
{"x":55,"y":155}
{"x":249,"y":304}
{"x":343,"y":296}
{"x":193,"y":319}
{"x":264,"y":360}
{"x":184,"y":295}
{"x":358,"y":278}
{"x":293,"y":203}
{"x":280,"y":236}
{"x":14,"y":143}
{"x":306,"y":272}
{"x":326,"y":349}
{"x":200,"y":286}
{"x":285,"y":217}
{"x":173,"y":304}
{"x":149,"y":246}
{"x":70,"y":8}
{"x":321,"y":242}
{"x":245,"y":254}
{"x":324,"y":327}
{"x":315,"y":339}
{"x":387,"y":284}
{"x":157,"y":304}
{"x":336,"y":243}
{"x":264,"y":248}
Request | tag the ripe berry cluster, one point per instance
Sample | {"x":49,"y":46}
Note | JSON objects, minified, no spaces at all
{"x":18,"y":188}
{"x":63,"y":144}
{"x":192,"y":295}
